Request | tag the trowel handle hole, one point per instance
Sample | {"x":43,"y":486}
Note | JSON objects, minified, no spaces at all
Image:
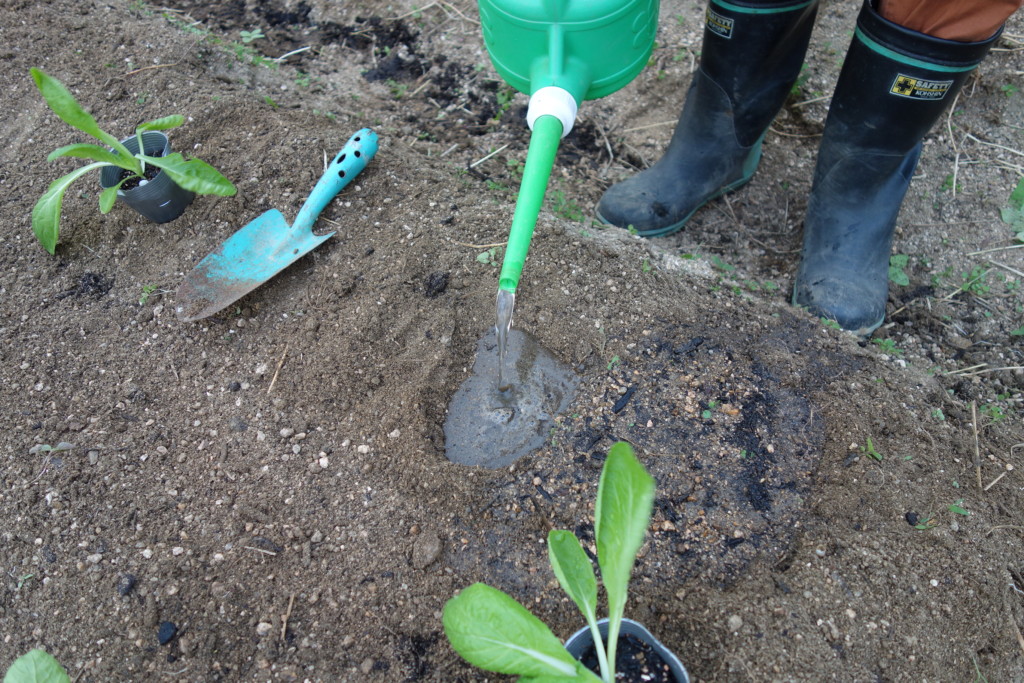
{"x":357,"y":153}
{"x":341,"y":174}
{"x":356,"y":139}
{"x":341,"y":159}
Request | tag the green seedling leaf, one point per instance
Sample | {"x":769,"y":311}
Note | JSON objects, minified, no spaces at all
{"x":575,"y":574}
{"x":1019,"y":332}
{"x":109,"y":196}
{"x":164,"y":123}
{"x":625,"y":496}
{"x":897,"y":262}
{"x":46,"y":212}
{"x":64,"y":105}
{"x":195,"y":175}
{"x":94,"y":152}
{"x":494,"y":632}
{"x":36,"y":666}
{"x":957,"y":509}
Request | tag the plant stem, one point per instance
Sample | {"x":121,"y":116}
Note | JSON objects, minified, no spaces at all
{"x":606,"y":675}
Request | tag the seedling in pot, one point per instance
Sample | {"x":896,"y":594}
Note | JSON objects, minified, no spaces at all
{"x":192,"y":175}
{"x":494,"y":632}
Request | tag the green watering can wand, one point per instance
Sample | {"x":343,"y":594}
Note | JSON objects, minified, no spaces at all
{"x":540,"y":158}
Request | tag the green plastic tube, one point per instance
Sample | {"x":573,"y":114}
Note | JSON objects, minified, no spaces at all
{"x":547,"y":132}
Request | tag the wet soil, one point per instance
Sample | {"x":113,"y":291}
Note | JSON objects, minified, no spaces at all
{"x":264,"y":494}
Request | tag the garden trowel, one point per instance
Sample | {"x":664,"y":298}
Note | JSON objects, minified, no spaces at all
{"x":268,"y":245}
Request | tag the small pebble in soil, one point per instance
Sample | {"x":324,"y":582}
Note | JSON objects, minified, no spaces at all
{"x":735,"y":623}
{"x":425,"y":550}
{"x":125,"y":584}
{"x":263,"y":628}
{"x":911,"y":518}
{"x":166,"y":632}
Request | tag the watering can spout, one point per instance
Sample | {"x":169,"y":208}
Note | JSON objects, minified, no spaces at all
{"x":547,"y":132}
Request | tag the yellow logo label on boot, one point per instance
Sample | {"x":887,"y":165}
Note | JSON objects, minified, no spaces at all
{"x":717,"y":24}
{"x":919,"y":88}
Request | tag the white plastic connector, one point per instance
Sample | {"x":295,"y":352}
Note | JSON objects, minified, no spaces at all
{"x":553,"y":101}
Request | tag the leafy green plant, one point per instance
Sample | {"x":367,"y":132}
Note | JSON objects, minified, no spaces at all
{"x":869,"y":450}
{"x":147,"y":291}
{"x":1013,"y":213}
{"x":957,"y":508}
{"x":250,"y":36}
{"x":193,"y":174}
{"x":565,"y":207}
{"x":494,"y":632}
{"x":36,"y":666}
{"x":888,"y":346}
{"x":48,"y":449}
{"x":898,"y":276}
{"x":489,"y":257}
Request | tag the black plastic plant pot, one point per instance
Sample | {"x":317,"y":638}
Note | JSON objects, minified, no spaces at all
{"x":635,"y":642}
{"x":159,"y":199}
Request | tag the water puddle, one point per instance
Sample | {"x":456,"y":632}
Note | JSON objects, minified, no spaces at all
{"x":492,"y":428}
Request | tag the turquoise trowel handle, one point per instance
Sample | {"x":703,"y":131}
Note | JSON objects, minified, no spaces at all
{"x":352,"y":159}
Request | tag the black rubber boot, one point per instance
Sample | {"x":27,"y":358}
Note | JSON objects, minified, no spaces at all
{"x":750,"y":59}
{"x":894,"y":85}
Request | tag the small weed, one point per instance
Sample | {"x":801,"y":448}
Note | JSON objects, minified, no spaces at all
{"x":631,"y":229}
{"x":303,"y":79}
{"x":515,"y":169}
{"x":566,"y":208}
{"x":613,"y":362}
{"x":801,"y":80}
{"x":49,"y":450}
{"x":1013,"y":213}
{"x":24,"y":578}
{"x":994,"y":412}
{"x":645,"y":267}
{"x":721,"y":265}
{"x":1009,"y":89}
{"x":267,"y":99}
{"x":926,"y":525}
{"x":831,"y":324}
{"x":504,"y":96}
{"x":250,"y":36}
{"x":938,"y":415}
{"x":495,"y":185}
{"x":489,"y":257}
{"x":869,"y":450}
{"x":957,"y":508}
{"x":975,"y":282}
{"x":1019,"y":332}
{"x":947,"y":184}
{"x":147,"y":291}
{"x":888,"y":346}
{"x":709,"y":411}
{"x":141,"y":99}
{"x":897,"y":274}
{"x":397,"y":89}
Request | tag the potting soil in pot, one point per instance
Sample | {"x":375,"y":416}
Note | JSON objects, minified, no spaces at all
{"x":635,"y":662}
{"x":493,"y":428}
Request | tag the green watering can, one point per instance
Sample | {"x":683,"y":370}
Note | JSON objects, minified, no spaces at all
{"x":560,"y":52}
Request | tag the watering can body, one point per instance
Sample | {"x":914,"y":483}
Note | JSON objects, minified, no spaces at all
{"x":590,"y":48}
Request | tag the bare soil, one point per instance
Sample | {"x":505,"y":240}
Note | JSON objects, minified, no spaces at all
{"x":267,"y":489}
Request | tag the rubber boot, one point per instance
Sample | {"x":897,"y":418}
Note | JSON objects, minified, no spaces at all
{"x":751,"y":57}
{"x":894,"y":85}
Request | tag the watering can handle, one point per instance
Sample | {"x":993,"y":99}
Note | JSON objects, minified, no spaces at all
{"x":352,"y":159}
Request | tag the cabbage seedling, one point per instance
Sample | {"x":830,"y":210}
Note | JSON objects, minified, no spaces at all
{"x":489,"y":629}
{"x":193,"y":174}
